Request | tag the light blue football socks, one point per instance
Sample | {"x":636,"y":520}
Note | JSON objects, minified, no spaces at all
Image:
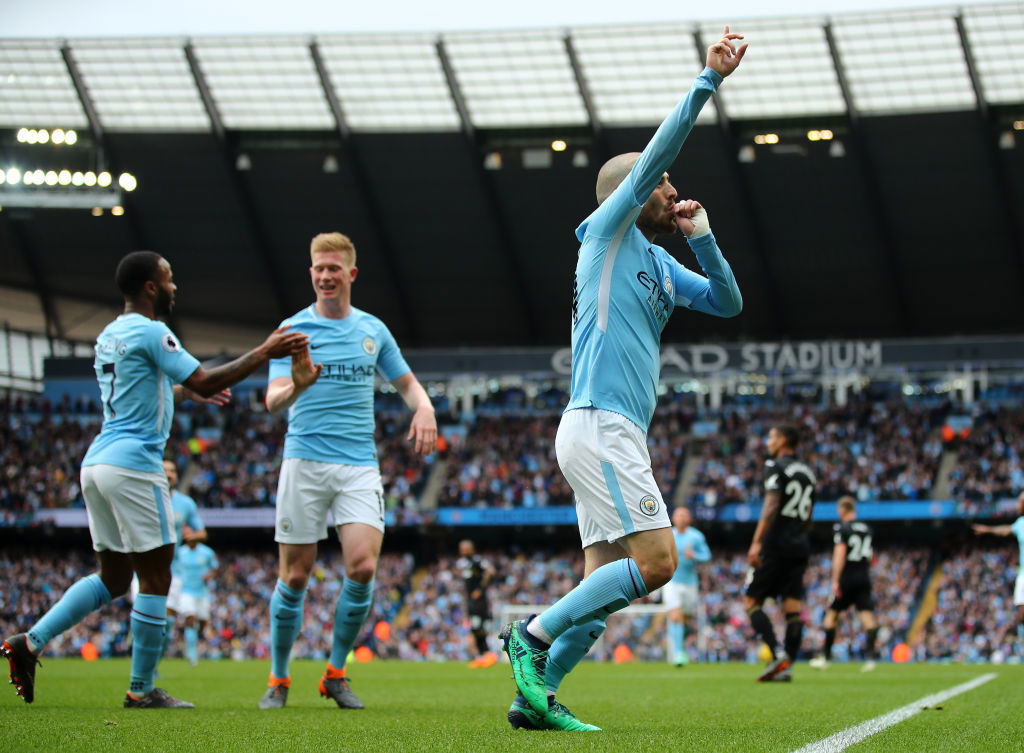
{"x":168,"y":634}
{"x":677,"y":632}
{"x":149,"y":623}
{"x":285,"y":623}
{"x":350,"y":613}
{"x":605,"y":591}
{"x":568,"y":650}
{"x":192,"y":644}
{"x":85,"y":596}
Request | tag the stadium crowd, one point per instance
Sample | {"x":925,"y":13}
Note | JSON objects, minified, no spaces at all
{"x":875,"y":451}
{"x":990,"y":464}
{"x":425,"y":607}
{"x":503,"y":455}
{"x":974,"y":615}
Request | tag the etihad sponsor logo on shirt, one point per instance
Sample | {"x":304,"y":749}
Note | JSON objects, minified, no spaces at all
{"x":659,"y":302}
{"x":349,"y":372}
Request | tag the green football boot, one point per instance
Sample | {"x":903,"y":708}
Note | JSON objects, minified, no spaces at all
{"x":522,"y":716}
{"x":529,"y":663}
{"x":560,"y":718}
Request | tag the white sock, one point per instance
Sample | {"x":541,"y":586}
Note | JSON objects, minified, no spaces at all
{"x":535,"y":629}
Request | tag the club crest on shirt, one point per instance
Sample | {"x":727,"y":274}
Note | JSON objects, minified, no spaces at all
{"x":170,"y":343}
{"x":668,"y":284}
{"x":649,"y":505}
{"x":285,"y":525}
{"x":369,"y":346}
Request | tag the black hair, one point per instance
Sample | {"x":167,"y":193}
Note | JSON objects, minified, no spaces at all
{"x":790,"y":433}
{"x":135,"y":270}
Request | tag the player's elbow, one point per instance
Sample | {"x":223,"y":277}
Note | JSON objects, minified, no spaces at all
{"x":733,"y":307}
{"x":202,"y":386}
{"x":273,"y":401}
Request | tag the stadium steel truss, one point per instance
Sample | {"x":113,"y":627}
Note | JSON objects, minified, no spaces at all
{"x":864,"y":173}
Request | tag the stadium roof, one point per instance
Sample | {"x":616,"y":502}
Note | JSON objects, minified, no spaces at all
{"x":895,"y":62}
{"x":433,"y":152}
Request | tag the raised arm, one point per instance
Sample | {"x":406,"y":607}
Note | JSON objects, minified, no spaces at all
{"x":279,"y":344}
{"x":661,"y":152}
{"x":663,"y":148}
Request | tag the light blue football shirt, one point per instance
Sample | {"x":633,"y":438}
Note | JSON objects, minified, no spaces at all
{"x":186,"y":513}
{"x":1018,"y":531}
{"x":626,"y":287}
{"x":332,"y":421}
{"x":138,"y":362}
{"x":686,"y":570}
{"x":194,"y":563}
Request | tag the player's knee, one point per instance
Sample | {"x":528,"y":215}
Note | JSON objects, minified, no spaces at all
{"x":656,"y":571}
{"x":296,"y":578}
{"x":362,"y":570}
{"x":117,"y":584}
{"x":157,"y":582}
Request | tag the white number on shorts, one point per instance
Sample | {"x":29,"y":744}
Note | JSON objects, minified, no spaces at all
{"x":799,"y":504}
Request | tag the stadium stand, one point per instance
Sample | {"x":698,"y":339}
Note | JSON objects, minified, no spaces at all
{"x":875,"y":451}
{"x":425,"y":605}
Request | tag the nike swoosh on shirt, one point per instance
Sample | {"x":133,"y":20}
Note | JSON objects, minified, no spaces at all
{"x":314,"y":347}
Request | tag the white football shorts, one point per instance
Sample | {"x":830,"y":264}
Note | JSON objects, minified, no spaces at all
{"x":1018,"y":591}
{"x":173,"y":595}
{"x":605,"y":460}
{"x":129,"y":511}
{"x":194,"y":606}
{"x":307,"y":490}
{"x":680,"y":596}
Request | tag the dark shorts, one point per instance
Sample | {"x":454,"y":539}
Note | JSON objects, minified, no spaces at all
{"x":855,"y":591}
{"x":478,"y":613}
{"x":777,"y":577}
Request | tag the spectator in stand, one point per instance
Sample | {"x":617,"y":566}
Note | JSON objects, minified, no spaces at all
{"x":874,"y":451}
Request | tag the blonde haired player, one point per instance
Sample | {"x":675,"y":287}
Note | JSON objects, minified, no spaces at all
{"x":851,"y":582}
{"x":330,"y":460}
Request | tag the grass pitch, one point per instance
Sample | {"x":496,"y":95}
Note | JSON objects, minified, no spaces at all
{"x":448,"y":707}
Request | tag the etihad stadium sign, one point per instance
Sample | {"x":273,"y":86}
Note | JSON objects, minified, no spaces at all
{"x":825,"y":356}
{"x":758,"y":357}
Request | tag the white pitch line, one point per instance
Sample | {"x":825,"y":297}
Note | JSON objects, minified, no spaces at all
{"x":842,"y":740}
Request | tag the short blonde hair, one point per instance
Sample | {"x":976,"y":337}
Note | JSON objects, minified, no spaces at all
{"x":847,"y":503}
{"x":327,"y":242}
